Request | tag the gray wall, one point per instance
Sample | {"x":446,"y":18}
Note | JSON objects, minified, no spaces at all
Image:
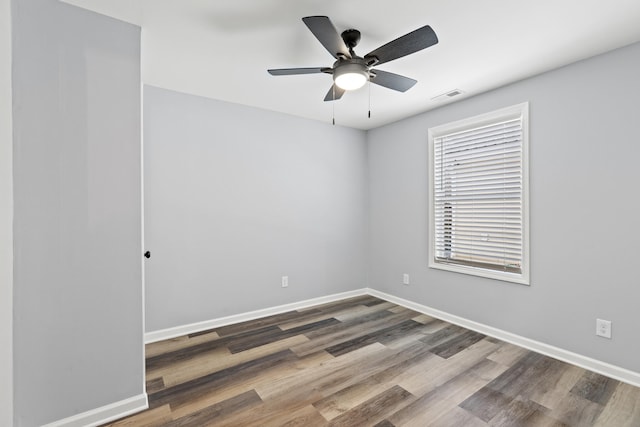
{"x":77,"y":290}
{"x":584,"y":206}
{"x":236,"y":197}
{"x":6,"y":220}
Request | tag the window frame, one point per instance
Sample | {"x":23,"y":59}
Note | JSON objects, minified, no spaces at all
{"x":518,"y":110}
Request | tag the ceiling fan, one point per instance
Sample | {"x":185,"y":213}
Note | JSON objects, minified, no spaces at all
{"x":351,"y":71}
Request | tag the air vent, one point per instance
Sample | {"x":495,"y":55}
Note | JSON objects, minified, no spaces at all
{"x":447,"y":95}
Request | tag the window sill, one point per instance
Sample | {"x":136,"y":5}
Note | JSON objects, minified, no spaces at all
{"x":521,"y":279}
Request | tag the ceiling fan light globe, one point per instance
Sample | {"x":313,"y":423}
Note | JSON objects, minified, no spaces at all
{"x":350,"y":76}
{"x":351,"y":81}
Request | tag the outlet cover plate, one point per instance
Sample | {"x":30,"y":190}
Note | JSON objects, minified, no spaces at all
{"x":603,"y":328}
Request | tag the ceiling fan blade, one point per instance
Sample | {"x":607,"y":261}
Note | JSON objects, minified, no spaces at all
{"x":392,"y":81}
{"x":326,"y":33}
{"x":293,"y":71}
{"x":405,"y":45}
{"x":334,"y":93}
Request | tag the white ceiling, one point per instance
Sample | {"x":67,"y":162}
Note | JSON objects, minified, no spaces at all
{"x":222,"y":49}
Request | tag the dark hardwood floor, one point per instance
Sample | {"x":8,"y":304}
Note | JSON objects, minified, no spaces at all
{"x":367,"y":362}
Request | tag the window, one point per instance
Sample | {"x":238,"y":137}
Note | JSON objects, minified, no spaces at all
{"x":478,"y":203}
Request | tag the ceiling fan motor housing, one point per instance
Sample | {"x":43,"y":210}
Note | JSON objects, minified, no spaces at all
{"x":351,"y":38}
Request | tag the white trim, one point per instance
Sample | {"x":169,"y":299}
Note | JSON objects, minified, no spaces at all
{"x":6,"y":218}
{"x":192,"y":328}
{"x":518,"y":110}
{"x":104,"y":414}
{"x":612,"y":371}
{"x":483,"y":272}
{"x":142,"y":244}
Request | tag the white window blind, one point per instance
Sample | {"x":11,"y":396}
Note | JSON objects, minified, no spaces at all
{"x":478,"y":196}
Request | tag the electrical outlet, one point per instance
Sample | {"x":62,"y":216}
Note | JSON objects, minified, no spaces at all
{"x":603,"y":328}
{"x":405,"y":279}
{"x":285,"y":281}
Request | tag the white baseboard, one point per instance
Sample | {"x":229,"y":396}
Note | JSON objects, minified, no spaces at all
{"x":105,"y":413}
{"x":594,"y":365}
{"x":192,"y":328}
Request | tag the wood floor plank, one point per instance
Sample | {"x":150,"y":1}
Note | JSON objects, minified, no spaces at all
{"x":375,"y":409}
{"x":152,"y":417}
{"x":189,"y":368}
{"x":154,"y":385}
{"x":306,"y":417}
{"x":441,"y":372}
{"x":442,"y":335}
{"x":366,"y":300}
{"x":220,"y":359}
{"x":595,"y":387}
{"x":161,"y":347}
{"x":187,"y":353}
{"x":524,"y":413}
{"x":265,"y":415}
{"x":456,"y":417}
{"x":215,"y":413}
{"x":267,"y":337}
{"x":456,"y":345}
{"x":351,"y":313}
{"x":442,"y":399}
{"x":400,"y":309}
{"x":435,"y":326}
{"x":302,"y":321}
{"x":508,"y":354}
{"x":372,"y":321}
{"x":275,"y":416}
{"x":228,"y":389}
{"x":264,"y":322}
{"x":521,"y":375}
{"x":353,"y":395}
{"x":185,"y":392}
{"x":486,"y":403}
{"x":330,"y":374}
{"x":551,"y":391}
{"x":256,"y":326}
{"x":574,"y":410}
{"x":424,"y":318}
{"x":369,"y":338}
{"x":346,"y":331}
{"x":368,"y":362}
{"x":406,"y":339}
{"x":335,"y":375}
{"x":499,"y":393}
{"x":375,"y":301}
{"x":623,"y":409}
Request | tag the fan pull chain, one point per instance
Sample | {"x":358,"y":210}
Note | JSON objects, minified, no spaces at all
{"x":333,"y":104}
{"x":369,"y":98}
